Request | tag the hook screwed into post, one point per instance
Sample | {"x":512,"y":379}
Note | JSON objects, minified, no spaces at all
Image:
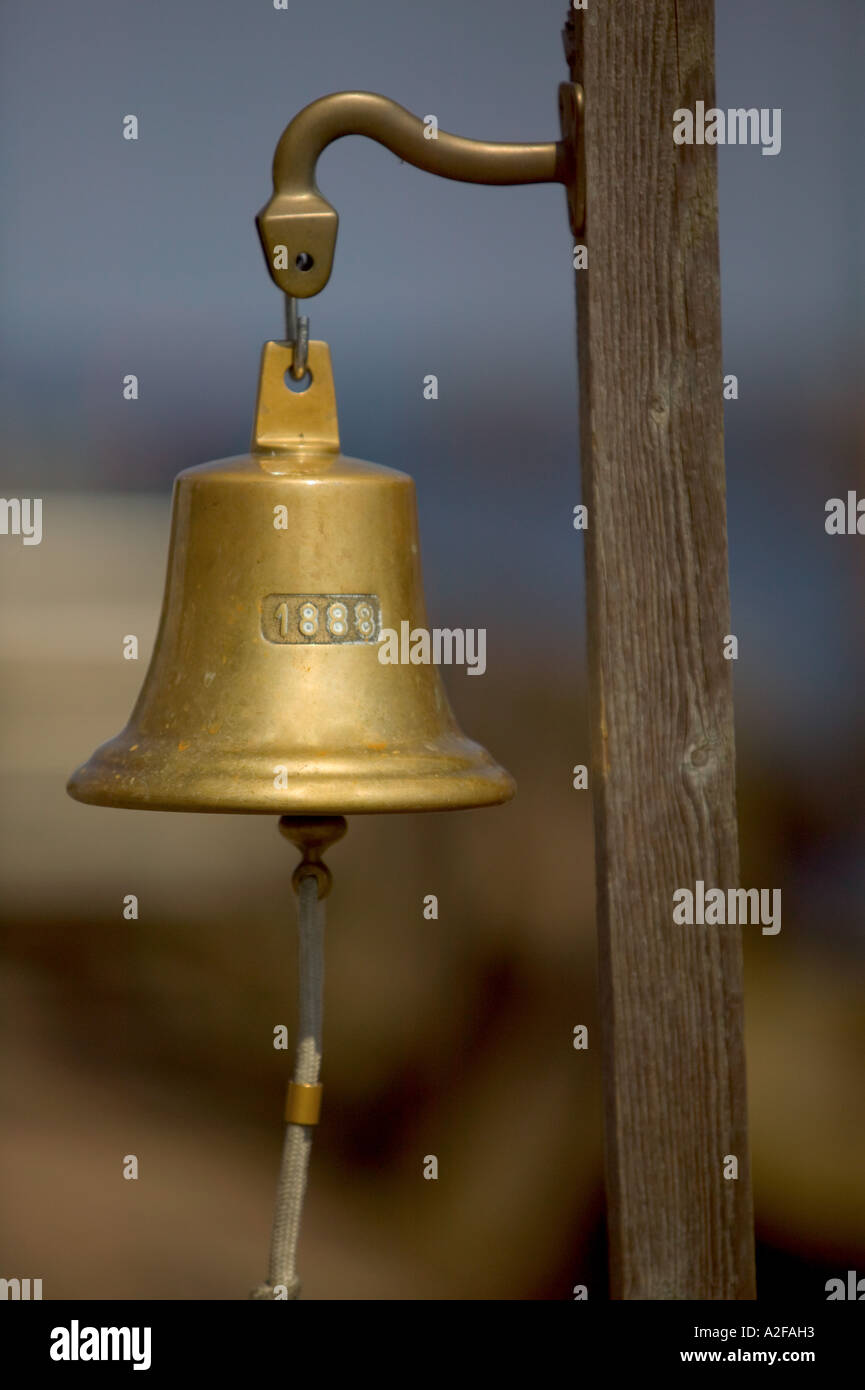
{"x":298,"y":226}
{"x":313,"y":835}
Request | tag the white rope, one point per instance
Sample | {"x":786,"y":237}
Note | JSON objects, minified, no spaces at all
{"x":282,"y":1280}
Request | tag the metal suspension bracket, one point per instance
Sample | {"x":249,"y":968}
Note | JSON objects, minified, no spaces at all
{"x":298,"y":226}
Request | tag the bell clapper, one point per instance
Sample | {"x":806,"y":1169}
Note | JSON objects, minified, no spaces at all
{"x":311,"y":881}
{"x":312,"y":835}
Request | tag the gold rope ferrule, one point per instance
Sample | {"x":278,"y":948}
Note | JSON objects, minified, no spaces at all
{"x":302,"y":1103}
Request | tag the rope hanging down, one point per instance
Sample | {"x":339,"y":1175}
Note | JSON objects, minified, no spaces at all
{"x":311,"y":881}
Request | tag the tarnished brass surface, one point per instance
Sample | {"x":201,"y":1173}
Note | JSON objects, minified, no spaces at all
{"x":265,"y":692}
{"x":300,"y":220}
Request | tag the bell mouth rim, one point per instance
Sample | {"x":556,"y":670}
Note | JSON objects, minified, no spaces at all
{"x":298,"y":809}
{"x":454,"y":781}
{"x":312,"y":806}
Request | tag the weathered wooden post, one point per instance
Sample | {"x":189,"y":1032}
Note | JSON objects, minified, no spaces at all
{"x":661,"y":690}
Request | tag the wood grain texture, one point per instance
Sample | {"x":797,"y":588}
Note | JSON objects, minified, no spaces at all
{"x":649,"y":331}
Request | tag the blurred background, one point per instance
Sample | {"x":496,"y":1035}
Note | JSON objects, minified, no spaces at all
{"x":154,"y":1037}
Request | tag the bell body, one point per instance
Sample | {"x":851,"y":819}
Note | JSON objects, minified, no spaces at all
{"x":265,"y":692}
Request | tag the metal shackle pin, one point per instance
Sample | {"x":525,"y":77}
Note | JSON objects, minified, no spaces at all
{"x":297,"y":333}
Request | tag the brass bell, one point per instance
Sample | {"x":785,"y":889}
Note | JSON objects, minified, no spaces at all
{"x":265,"y":691}
{"x":273,"y":687}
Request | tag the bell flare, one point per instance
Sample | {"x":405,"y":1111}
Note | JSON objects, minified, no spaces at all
{"x":266,"y":691}
{"x":455,"y":775}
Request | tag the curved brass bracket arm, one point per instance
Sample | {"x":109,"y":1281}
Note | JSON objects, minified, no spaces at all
{"x":298,"y":226}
